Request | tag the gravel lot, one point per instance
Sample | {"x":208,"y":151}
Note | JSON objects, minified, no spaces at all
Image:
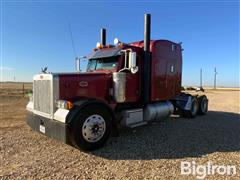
{"x":151,"y":152}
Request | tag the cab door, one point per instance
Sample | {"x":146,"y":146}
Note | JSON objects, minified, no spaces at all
{"x":132,"y":87}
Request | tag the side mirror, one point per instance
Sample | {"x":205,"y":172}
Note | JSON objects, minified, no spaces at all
{"x":132,"y":63}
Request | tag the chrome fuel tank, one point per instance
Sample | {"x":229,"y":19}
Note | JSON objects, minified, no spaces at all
{"x":158,"y":111}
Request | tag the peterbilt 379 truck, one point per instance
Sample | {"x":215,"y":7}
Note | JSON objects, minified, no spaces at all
{"x":128,"y":85}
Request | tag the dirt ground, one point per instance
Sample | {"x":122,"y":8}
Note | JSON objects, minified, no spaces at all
{"x":154,"y":151}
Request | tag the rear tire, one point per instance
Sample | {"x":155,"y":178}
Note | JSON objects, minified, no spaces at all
{"x":194,"y":109}
{"x":91,"y":127}
{"x":203,"y":105}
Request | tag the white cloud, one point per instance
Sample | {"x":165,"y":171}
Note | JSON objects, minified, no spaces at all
{"x":5,"y":68}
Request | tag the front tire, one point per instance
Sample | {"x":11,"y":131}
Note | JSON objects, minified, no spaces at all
{"x":91,"y":127}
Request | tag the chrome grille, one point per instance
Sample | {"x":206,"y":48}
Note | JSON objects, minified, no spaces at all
{"x":42,"y":96}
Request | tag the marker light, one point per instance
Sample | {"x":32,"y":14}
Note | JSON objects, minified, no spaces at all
{"x":98,"y":45}
{"x":116,"y":41}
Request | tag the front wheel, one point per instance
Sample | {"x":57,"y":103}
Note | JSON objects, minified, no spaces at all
{"x":91,"y":127}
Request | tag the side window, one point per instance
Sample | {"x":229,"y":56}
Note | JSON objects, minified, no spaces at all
{"x":91,"y":65}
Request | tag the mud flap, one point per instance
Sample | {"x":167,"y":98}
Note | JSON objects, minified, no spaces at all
{"x":184,"y":102}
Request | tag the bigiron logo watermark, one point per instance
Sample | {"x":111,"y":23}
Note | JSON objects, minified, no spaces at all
{"x":201,"y":171}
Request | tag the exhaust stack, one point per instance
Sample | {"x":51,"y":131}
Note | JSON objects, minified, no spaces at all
{"x":147,"y":59}
{"x":103,"y":37}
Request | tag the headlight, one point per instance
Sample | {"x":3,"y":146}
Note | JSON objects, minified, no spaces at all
{"x":64,"y":104}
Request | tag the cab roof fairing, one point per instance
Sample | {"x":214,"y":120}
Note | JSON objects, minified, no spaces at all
{"x":140,"y":44}
{"x":110,"y":52}
{"x":105,"y":53}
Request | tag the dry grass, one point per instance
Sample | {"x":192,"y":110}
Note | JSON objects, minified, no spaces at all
{"x":14,"y":89}
{"x":153,"y":151}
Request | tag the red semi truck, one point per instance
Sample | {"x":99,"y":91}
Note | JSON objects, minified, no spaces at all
{"x":124,"y":85}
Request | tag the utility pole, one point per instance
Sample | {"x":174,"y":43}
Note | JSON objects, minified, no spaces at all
{"x":201,"y":78}
{"x":215,"y":78}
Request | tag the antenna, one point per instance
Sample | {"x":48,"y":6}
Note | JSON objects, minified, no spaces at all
{"x":77,"y":59}
{"x":73,"y":45}
{"x":215,"y":77}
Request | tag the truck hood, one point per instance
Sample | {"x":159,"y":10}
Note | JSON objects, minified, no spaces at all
{"x":73,"y":86}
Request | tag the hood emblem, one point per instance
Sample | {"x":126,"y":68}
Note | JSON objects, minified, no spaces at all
{"x":83,"y":84}
{"x":44,"y":70}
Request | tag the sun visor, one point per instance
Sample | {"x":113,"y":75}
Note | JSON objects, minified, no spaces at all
{"x":104,"y":53}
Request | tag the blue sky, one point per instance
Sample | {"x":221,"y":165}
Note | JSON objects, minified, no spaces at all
{"x":36,"y":34}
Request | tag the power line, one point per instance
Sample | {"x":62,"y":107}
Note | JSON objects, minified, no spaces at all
{"x":201,"y":78}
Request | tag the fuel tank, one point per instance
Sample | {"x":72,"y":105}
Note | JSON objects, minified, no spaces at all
{"x":152,"y":112}
{"x":158,"y":111}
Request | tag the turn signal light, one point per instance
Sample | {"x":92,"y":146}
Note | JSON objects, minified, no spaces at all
{"x":64,"y":104}
{"x":99,"y":45}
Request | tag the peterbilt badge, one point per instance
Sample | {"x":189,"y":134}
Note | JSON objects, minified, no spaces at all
{"x":83,"y":83}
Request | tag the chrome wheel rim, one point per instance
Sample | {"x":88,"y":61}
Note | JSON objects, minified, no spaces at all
{"x":93,"y":128}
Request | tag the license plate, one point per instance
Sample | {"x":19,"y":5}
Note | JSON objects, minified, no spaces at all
{"x":42,"y":129}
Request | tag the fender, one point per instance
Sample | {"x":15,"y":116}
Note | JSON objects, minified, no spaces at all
{"x":83,"y":103}
{"x":184,"y":101}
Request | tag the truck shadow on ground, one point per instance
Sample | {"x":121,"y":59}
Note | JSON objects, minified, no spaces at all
{"x":176,"y":138}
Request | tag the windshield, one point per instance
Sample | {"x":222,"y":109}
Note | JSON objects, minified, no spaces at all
{"x":102,"y":64}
